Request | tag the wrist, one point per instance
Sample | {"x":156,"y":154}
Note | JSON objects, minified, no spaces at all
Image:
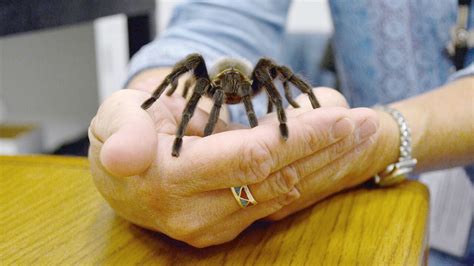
{"x":396,"y":172}
{"x":386,"y":149}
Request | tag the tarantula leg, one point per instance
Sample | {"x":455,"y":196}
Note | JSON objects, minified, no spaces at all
{"x":193,"y":62}
{"x":218,"y":99}
{"x":245,"y":92}
{"x":187,"y":85}
{"x":299,"y":83}
{"x":174,"y":86}
{"x":289,"y":95}
{"x":270,"y":105}
{"x":262,"y":76}
{"x":201,"y":87}
{"x":275,"y":98}
{"x":174,"y":75}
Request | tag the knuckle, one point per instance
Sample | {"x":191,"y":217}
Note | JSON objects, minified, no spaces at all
{"x":312,"y":137}
{"x":211,"y":239}
{"x":277,"y":216}
{"x":115,"y":95}
{"x":285,"y":200}
{"x":369,"y":112}
{"x":279,"y":185}
{"x":280,"y":203}
{"x":119,"y":97}
{"x":183,"y":227}
{"x":284,"y":180}
{"x":364,"y":145}
{"x":199,"y":242}
{"x":171,"y":185}
{"x":341,"y":147}
{"x":272,"y":217}
{"x":337,"y":150}
{"x":255,"y":163}
{"x":299,"y":187}
{"x":338,"y":171}
{"x":330,"y":97}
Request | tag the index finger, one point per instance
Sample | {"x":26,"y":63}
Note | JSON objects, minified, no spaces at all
{"x":248,"y":156}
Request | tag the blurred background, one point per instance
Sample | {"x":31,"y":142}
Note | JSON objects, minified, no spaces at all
{"x":60,"y":59}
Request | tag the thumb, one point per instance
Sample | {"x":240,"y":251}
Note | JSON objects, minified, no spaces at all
{"x":124,"y":134}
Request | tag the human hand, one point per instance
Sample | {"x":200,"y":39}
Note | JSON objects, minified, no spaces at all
{"x":188,"y":197}
{"x":346,"y":163}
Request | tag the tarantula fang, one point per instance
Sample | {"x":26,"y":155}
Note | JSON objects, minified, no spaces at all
{"x":230,"y":81}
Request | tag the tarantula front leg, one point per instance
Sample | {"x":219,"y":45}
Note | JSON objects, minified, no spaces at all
{"x":192,"y":62}
{"x":261,"y":77}
{"x":202,"y":85}
{"x":269,"y":106}
{"x":174,"y":86}
{"x":187,"y":85}
{"x":289,"y":95}
{"x":245,"y":93}
{"x":218,"y":99}
{"x":289,"y":76}
{"x":276,"y":99}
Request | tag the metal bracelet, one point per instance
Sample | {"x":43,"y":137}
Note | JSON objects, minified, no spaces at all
{"x":395,"y":172}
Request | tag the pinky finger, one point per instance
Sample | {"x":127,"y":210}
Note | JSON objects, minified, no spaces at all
{"x":231,"y":226}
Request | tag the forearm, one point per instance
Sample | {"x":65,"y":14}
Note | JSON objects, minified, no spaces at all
{"x":442,"y":126}
{"x":149,"y":80}
{"x":442,"y":123}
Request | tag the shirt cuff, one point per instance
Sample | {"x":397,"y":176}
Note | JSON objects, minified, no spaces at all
{"x":468,"y":71}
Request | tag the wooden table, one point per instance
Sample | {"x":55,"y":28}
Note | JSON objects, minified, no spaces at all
{"x":51,"y":213}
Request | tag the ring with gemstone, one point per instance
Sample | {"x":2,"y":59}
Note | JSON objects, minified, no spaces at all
{"x":243,"y":196}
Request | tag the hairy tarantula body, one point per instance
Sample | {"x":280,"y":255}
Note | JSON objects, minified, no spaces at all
{"x":229,"y":74}
{"x":230,"y":81}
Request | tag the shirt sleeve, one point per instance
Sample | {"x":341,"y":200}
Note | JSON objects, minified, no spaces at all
{"x":467,"y":71}
{"x":216,"y":28}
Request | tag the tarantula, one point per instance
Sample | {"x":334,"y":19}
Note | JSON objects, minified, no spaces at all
{"x":230,"y":81}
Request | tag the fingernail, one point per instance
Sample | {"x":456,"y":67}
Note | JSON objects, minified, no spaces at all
{"x":342,"y":128}
{"x":367,"y":128}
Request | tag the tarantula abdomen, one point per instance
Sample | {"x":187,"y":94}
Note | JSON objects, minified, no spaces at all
{"x":231,"y":81}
